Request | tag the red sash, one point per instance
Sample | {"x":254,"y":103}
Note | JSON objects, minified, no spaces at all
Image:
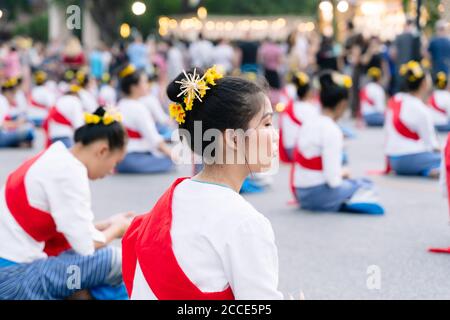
{"x":148,"y":240}
{"x":36,"y":223}
{"x":308,"y":163}
{"x":363,"y":97}
{"x":55,"y":116}
{"x":432,"y":102}
{"x":289,"y":111}
{"x":395,"y":105}
{"x":36,"y":104}
{"x":132,"y":134}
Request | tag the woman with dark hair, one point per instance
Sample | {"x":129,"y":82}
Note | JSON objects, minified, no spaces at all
{"x":15,"y":131}
{"x":203,"y":240}
{"x":319,"y":180}
{"x":373,"y":99}
{"x":296,"y":113}
{"x":439,"y":103}
{"x":411,"y":145}
{"x":67,"y":114}
{"x":147,"y":152}
{"x":50,"y":247}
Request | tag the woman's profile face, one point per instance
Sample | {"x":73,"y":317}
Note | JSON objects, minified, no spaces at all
{"x":142,"y":87}
{"x":103,"y":160}
{"x":262,"y":139}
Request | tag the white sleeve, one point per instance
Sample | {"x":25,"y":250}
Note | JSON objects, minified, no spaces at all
{"x":156,"y":109}
{"x":78,"y":116}
{"x":70,"y":206}
{"x":147,"y":127}
{"x":379,"y":98}
{"x":251,"y":261}
{"x":333,"y":145}
{"x":426,"y":130}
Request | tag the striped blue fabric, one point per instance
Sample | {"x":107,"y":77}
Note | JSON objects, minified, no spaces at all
{"x":60,"y":277}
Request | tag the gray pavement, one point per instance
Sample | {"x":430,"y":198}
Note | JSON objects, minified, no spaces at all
{"x":325,"y":255}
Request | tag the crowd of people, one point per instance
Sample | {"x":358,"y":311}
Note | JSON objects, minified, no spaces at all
{"x":122,"y":109}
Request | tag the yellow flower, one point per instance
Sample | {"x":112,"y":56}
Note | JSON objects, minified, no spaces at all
{"x":303,"y":78}
{"x":441,"y":76}
{"x":189,"y":102}
{"x":108,"y":119}
{"x":202,"y":87}
{"x":177,"y":112}
{"x":374,"y":72}
{"x":347,"y":81}
{"x":91,"y":118}
{"x":211,"y":75}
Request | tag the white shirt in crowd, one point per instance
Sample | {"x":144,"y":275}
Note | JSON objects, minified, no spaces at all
{"x":320,"y":137}
{"x":201,"y":53}
{"x":304,"y":111}
{"x":43,"y":96}
{"x":376,"y":93}
{"x":88,"y":101}
{"x":71,"y":108}
{"x":138,"y":118}
{"x":442,"y":98}
{"x":175,"y":62}
{"x":154,"y":106}
{"x":4,"y":107}
{"x":107,"y":95}
{"x":417,"y":117}
{"x":56,"y":183}
{"x":223,"y":57}
{"x":217,"y":246}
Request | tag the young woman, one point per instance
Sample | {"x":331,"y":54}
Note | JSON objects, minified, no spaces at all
{"x":65,"y":117}
{"x":47,"y":233}
{"x":373,"y":99}
{"x":15,"y":131}
{"x":439,"y":103}
{"x":318,"y":179}
{"x":295,"y":114}
{"x":412,"y":147}
{"x":107,"y":95}
{"x":41,"y":99}
{"x":146,"y":152}
{"x":88,"y":99}
{"x":190,"y":246}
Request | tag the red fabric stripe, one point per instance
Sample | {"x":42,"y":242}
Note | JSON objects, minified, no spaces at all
{"x":308,"y":163}
{"x":432,"y":102}
{"x":395,"y":105}
{"x":56,"y":116}
{"x":363,"y":97}
{"x":150,"y":242}
{"x":132,"y":134}
{"x":36,"y":223}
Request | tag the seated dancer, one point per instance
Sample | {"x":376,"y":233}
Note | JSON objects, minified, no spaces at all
{"x":107,"y":95}
{"x":318,"y":179}
{"x":88,"y":99}
{"x":41,"y":99}
{"x":439,"y":103}
{"x":296,"y":113}
{"x":65,"y":117}
{"x":411,"y":145}
{"x":189,"y":247}
{"x":146,"y":152}
{"x":373,"y":99}
{"x":162,"y":120}
{"x":47,"y":233}
{"x":15,"y":130}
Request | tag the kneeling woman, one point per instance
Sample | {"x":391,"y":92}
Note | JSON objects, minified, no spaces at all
{"x":47,"y":233}
{"x":412,"y":147}
{"x":439,"y":103}
{"x":373,"y":99}
{"x":319,"y":181}
{"x":146,"y":152}
{"x":202,"y":240}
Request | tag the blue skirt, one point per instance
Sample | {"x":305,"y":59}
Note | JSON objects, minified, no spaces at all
{"x":59,"y":277}
{"x":140,"y":162}
{"x":327,"y":199}
{"x":443,"y":127}
{"x":418,"y":164}
{"x":375,"y":119}
{"x":68,"y":142}
{"x":13,"y":139}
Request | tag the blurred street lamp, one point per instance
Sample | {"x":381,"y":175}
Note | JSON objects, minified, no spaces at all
{"x":202,"y":13}
{"x":125,"y":30}
{"x":1,"y":14}
{"x":342,"y":6}
{"x":138,"y":8}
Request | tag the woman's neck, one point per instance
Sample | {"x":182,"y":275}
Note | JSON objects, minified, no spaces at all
{"x":232,"y":176}
{"x":133,"y":97}
{"x":329,"y":113}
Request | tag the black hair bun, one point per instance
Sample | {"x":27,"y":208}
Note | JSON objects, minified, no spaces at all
{"x":100,"y":111}
{"x":174,"y":89}
{"x":326,"y":80}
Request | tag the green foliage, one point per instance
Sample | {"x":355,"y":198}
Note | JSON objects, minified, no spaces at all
{"x":36,"y":28}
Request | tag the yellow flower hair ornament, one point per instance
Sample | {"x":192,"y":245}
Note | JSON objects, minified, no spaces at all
{"x":130,"y":69}
{"x":193,"y":87}
{"x":40,"y":76}
{"x":10,"y":83}
{"x":107,"y":119}
{"x":374,"y":72}
{"x":342,"y":80}
{"x":441,"y":78}
{"x":415,"y":68}
{"x":74,"y":88}
{"x":302,"y":78}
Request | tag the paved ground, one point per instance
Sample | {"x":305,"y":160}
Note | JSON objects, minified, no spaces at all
{"x":327,"y":256}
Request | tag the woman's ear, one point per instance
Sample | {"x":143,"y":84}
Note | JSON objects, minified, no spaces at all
{"x":231,"y":139}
